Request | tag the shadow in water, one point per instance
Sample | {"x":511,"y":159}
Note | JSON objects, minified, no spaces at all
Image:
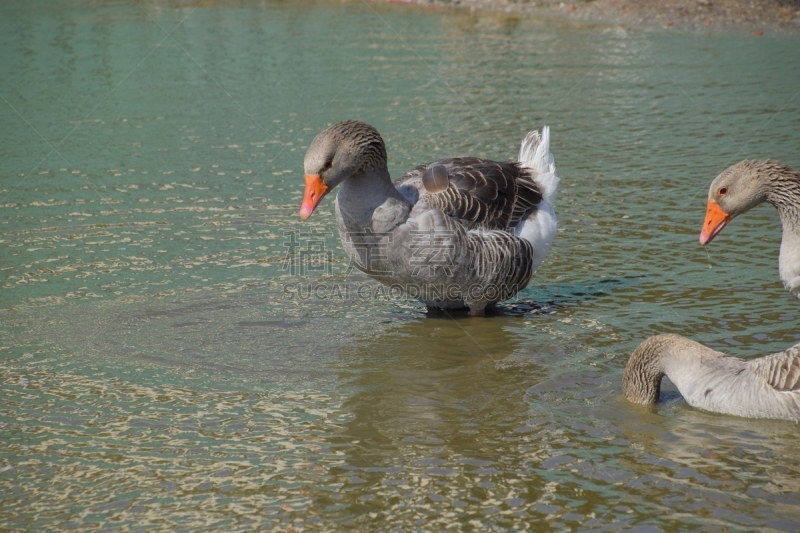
{"x":544,"y":299}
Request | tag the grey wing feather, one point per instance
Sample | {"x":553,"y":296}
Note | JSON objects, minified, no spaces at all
{"x":497,"y":259}
{"x":504,"y":260}
{"x":481,"y":193}
{"x":435,"y":179}
{"x":781,"y":370}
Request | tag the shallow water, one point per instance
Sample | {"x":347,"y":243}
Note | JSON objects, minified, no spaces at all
{"x":179,"y":352}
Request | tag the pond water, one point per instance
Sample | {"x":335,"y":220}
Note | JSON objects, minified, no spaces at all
{"x":179,"y":352}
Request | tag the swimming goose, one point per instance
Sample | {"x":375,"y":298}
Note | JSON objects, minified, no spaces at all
{"x":744,"y":186}
{"x":454,"y":233}
{"x":767,"y":387}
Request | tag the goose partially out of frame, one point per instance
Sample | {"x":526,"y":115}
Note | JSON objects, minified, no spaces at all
{"x":745,"y":185}
{"x":767,"y":387}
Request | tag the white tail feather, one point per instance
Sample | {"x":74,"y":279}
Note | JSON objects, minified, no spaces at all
{"x":534,"y":153}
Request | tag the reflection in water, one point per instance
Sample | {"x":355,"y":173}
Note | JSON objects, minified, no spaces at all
{"x":436,"y":412}
{"x":747,"y":470}
{"x":672,"y":460}
{"x":438,"y":382}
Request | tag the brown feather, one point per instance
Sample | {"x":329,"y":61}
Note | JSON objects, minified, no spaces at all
{"x":482,"y":193}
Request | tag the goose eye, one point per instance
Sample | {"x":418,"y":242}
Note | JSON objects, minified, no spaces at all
{"x":722,"y":191}
{"x":328,"y":164}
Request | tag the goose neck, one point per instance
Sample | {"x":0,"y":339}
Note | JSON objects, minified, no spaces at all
{"x":641,"y":381}
{"x":782,"y":189}
{"x":366,"y":189}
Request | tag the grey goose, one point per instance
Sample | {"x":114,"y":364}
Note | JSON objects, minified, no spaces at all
{"x":745,"y":185}
{"x":454,"y":233}
{"x":766,"y":387}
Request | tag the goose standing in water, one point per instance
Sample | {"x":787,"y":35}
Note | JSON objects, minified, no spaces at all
{"x":744,"y":186}
{"x":454,"y":233}
{"x":767,"y":387}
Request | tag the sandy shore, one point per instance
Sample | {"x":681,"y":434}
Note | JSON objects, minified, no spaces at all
{"x":756,"y":17}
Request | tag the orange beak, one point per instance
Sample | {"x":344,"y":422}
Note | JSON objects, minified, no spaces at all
{"x":315,"y":190}
{"x":716,"y":219}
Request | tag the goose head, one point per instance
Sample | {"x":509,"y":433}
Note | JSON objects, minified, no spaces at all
{"x":736,"y":190}
{"x":344,"y":150}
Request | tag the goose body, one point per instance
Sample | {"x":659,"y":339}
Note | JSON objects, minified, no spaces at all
{"x":767,"y":387}
{"x":747,"y":184}
{"x":454,"y":233}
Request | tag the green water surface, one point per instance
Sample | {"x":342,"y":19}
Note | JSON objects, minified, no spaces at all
{"x":179,"y":352}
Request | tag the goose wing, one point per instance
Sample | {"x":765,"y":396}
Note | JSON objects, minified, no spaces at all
{"x":781,"y":370}
{"x":486,"y":264}
{"x":480,"y":193}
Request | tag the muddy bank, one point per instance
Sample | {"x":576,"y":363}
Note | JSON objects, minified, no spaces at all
{"x":756,"y":17}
